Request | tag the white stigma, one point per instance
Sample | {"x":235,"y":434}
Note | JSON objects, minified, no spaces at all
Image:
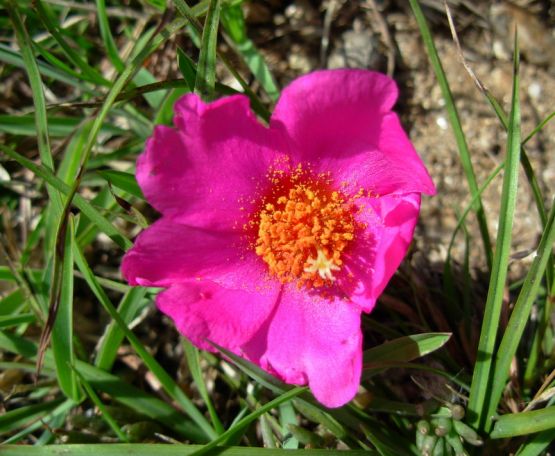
{"x":322,"y":265}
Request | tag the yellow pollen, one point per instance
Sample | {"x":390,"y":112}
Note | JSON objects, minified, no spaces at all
{"x":303,"y":229}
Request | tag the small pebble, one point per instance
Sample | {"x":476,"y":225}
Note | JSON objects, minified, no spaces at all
{"x":442,"y":123}
{"x":535,"y":90}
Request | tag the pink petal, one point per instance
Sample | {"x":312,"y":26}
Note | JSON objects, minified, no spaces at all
{"x":377,"y":252}
{"x":203,"y":310}
{"x":316,"y":341}
{"x":207,"y":172}
{"x":168,"y":253}
{"x":341,"y":121}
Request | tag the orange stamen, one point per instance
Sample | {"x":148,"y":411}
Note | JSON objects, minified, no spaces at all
{"x":304,"y":226}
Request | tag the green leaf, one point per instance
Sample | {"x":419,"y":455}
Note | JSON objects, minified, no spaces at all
{"x":14,"y":419}
{"x":10,"y":303}
{"x":62,"y":331}
{"x":59,"y":127}
{"x":537,"y":444}
{"x":131,"y":304}
{"x":246,"y":421}
{"x":403,"y":349}
{"x":87,"y":71}
{"x":81,"y":203}
{"x":123,"y":180}
{"x":259,"y":69}
{"x":189,"y":13}
{"x":107,"y":37}
{"x":521,"y":314}
{"x":41,"y":119}
{"x":206,"y":69}
{"x":234,"y":24}
{"x":12,"y":57}
{"x":187,"y":67}
{"x":193,"y":361}
{"x":288,"y":422}
{"x":121,"y":391}
{"x":158,"y":4}
{"x":149,"y":449}
{"x":100,"y":405}
{"x":16,"y":320}
{"x":53,"y":419}
{"x":481,"y":379}
{"x":524,"y":423}
{"x":68,"y":169}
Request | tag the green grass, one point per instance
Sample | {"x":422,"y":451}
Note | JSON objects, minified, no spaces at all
{"x":121,"y":381}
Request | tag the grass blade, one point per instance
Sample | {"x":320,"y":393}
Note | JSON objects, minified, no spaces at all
{"x":192,"y":354}
{"x":121,"y":391}
{"x":14,"y":419}
{"x":60,"y":127}
{"x":62,"y":331}
{"x":481,"y":380}
{"x":256,"y":104}
{"x":123,"y":180}
{"x":16,"y":320}
{"x":234,"y":24}
{"x":148,"y":449}
{"x":87,"y":71}
{"x":57,"y":415}
{"x":107,"y":37}
{"x":206,"y":69}
{"x":455,"y":125}
{"x":536,"y":445}
{"x":140,"y":401}
{"x":41,"y":120}
{"x":100,"y":405}
{"x":113,"y":336}
{"x":11,"y":57}
{"x":81,"y":203}
{"x":404,"y":349}
{"x":519,"y":316}
{"x":524,"y":423}
{"x":243,"y":423}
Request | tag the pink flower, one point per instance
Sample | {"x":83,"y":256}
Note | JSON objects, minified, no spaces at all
{"x":273,"y":240}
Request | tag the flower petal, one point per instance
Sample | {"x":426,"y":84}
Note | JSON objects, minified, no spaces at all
{"x":341,"y":121}
{"x":316,"y":341}
{"x":203,"y":310}
{"x":168,"y":253}
{"x":378,"y":251}
{"x":204,"y":172}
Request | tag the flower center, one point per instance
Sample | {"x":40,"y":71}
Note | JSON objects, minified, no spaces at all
{"x":304,"y":227}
